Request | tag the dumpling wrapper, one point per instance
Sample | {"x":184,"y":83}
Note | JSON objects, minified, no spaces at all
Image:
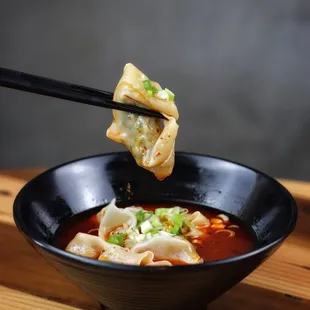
{"x":198,"y":219}
{"x":94,"y":247}
{"x":170,"y":249}
{"x":86,"y":245}
{"x":117,"y":254}
{"x":151,"y":145}
{"x":114,"y":217}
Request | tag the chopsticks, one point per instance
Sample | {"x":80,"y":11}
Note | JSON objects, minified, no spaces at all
{"x":72,"y":92}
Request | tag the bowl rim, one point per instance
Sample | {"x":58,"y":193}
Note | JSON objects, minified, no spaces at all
{"x":149,"y":269}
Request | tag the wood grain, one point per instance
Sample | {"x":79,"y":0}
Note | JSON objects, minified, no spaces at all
{"x":27,"y":281}
{"x":15,"y":299}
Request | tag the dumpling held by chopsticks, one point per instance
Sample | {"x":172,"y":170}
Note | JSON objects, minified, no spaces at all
{"x":151,"y":141}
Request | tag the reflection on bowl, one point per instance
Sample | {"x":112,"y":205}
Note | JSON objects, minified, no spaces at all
{"x":60,"y":193}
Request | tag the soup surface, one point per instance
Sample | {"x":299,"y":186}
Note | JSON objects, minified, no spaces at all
{"x":162,"y":235}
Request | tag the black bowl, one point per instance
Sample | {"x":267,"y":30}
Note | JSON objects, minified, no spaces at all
{"x":58,"y":194}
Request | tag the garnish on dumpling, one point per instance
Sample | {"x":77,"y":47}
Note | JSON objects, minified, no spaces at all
{"x":151,"y":141}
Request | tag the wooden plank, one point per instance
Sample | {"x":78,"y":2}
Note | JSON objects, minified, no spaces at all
{"x":243,"y":297}
{"x":29,"y":282}
{"x":14,"y":299}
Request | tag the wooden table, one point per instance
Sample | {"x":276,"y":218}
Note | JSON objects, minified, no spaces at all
{"x":28,"y":282}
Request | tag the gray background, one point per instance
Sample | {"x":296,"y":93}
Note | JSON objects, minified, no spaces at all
{"x":240,"y":70}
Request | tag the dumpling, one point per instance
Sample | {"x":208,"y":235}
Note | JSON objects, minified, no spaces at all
{"x":198,"y":219}
{"x":86,"y":245}
{"x":151,"y":143}
{"x":101,"y":213}
{"x":114,"y":217}
{"x":169,"y":248}
{"x":117,"y":254}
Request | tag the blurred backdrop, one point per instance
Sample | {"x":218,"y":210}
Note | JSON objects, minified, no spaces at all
{"x":240,"y":70}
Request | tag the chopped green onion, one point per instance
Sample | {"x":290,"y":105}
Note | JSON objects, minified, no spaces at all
{"x":140,"y":217}
{"x":154,"y":230}
{"x":154,"y":89}
{"x":162,"y":95}
{"x":177,"y":224}
{"x":143,"y":216}
{"x":147,"y":84}
{"x":117,"y":239}
{"x":173,"y":230}
{"x":156,"y":222}
{"x":146,"y":226}
{"x":169,"y":211}
{"x":169,"y":220}
{"x":149,"y":88}
{"x":149,"y":215}
{"x":170,"y":94}
{"x":178,"y":220}
{"x":161,"y":211}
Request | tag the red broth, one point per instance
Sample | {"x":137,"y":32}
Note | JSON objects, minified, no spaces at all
{"x":214,"y":245}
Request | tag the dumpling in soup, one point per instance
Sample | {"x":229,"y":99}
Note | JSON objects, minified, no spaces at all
{"x":117,"y":254}
{"x":149,"y":235}
{"x":86,"y":245}
{"x":170,"y":248}
{"x":115,"y":217}
{"x":151,"y":141}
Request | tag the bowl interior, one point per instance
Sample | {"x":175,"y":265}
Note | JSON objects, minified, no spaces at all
{"x":58,"y":194}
